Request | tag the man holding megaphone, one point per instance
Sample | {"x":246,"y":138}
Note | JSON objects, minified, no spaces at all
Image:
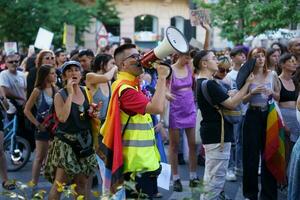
{"x":128,"y":131}
{"x":128,"y":145}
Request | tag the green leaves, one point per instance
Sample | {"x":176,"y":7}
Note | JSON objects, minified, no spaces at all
{"x":21,"y":19}
{"x":239,"y":19}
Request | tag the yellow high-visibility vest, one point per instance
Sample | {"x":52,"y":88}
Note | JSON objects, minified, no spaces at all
{"x":140,"y":152}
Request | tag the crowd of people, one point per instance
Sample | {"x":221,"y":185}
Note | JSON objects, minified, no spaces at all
{"x":138,"y":110}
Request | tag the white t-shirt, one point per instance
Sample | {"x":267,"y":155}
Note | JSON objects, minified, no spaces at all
{"x":16,"y":83}
{"x":231,"y":77}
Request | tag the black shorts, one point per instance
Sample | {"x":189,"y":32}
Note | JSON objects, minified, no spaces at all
{"x":41,"y":136}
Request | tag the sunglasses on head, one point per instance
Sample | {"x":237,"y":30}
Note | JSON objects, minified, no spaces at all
{"x":223,"y":58}
{"x":49,"y":58}
{"x":13,"y":62}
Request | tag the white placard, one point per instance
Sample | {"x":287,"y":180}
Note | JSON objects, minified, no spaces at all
{"x":163,"y":179}
{"x":43,"y":39}
{"x":10,"y":47}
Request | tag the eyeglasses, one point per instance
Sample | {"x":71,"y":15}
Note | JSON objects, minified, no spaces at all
{"x":135,"y":56}
{"x":13,"y":62}
{"x":223,"y":70}
{"x":49,"y":58}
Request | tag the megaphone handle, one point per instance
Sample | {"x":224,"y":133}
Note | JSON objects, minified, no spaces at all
{"x":170,"y":72}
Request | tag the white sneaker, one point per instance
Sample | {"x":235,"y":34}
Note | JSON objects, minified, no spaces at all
{"x":230,"y":176}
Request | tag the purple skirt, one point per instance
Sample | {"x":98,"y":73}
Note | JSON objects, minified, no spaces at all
{"x":182,"y":110}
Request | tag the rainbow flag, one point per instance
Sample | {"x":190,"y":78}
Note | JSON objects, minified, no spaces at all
{"x":274,"y":152}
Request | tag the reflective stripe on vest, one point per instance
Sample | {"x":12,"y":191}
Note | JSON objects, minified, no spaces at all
{"x":138,"y":143}
{"x":139,"y":148}
{"x":138,"y":126}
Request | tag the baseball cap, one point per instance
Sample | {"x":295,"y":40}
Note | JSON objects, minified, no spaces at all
{"x":68,"y":64}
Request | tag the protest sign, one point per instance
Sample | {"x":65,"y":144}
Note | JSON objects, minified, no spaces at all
{"x":199,"y":16}
{"x":10,"y":47}
{"x":43,"y":39}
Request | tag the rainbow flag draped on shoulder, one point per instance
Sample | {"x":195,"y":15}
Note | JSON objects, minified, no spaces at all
{"x":274,"y":152}
{"x":110,"y":149}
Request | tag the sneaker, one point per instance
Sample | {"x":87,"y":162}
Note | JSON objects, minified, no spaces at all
{"x":194,"y":183}
{"x":230,"y":176}
{"x":177,"y":187}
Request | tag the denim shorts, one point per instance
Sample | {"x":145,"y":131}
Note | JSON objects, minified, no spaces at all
{"x":42,"y":136}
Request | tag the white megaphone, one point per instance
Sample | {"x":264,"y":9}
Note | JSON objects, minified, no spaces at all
{"x":174,"y":42}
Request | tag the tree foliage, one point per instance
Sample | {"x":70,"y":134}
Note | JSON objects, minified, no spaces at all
{"x":238,"y":19}
{"x":106,"y":12}
{"x":21,"y":19}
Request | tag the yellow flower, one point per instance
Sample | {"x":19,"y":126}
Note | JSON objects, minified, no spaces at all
{"x":60,"y":186}
{"x":31,"y":184}
{"x":96,"y":193}
{"x":73,"y":186}
{"x":80,"y":197}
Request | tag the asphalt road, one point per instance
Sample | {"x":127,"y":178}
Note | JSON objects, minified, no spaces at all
{"x":232,"y":189}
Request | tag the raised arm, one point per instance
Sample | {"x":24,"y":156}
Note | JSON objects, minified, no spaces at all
{"x":207,"y":35}
{"x":94,"y":78}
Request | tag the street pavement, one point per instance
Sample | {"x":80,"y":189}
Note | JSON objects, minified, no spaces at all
{"x":232,"y":189}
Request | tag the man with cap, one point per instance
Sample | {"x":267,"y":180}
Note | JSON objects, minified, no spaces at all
{"x":60,"y":57}
{"x":128,"y":129}
{"x":238,"y":57}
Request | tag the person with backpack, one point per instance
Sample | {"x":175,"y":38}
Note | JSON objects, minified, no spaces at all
{"x":71,"y":158}
{"x":41,"y":97}
{"x":216,"y":133}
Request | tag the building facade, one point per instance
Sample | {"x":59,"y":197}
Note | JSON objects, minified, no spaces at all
{"x":145,"y":21}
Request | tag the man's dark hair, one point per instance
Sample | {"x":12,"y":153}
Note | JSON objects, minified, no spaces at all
{"x":237,"y":50}
{"x":122,"y":48}
{"x":86,"y":52}
{"x":127,"y":40}
{"x":198,"y":57}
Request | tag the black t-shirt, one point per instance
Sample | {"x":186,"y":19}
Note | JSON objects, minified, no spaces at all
{"x":211,"y":124}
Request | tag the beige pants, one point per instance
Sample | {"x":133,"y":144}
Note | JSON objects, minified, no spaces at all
{"x":216,"y":164}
